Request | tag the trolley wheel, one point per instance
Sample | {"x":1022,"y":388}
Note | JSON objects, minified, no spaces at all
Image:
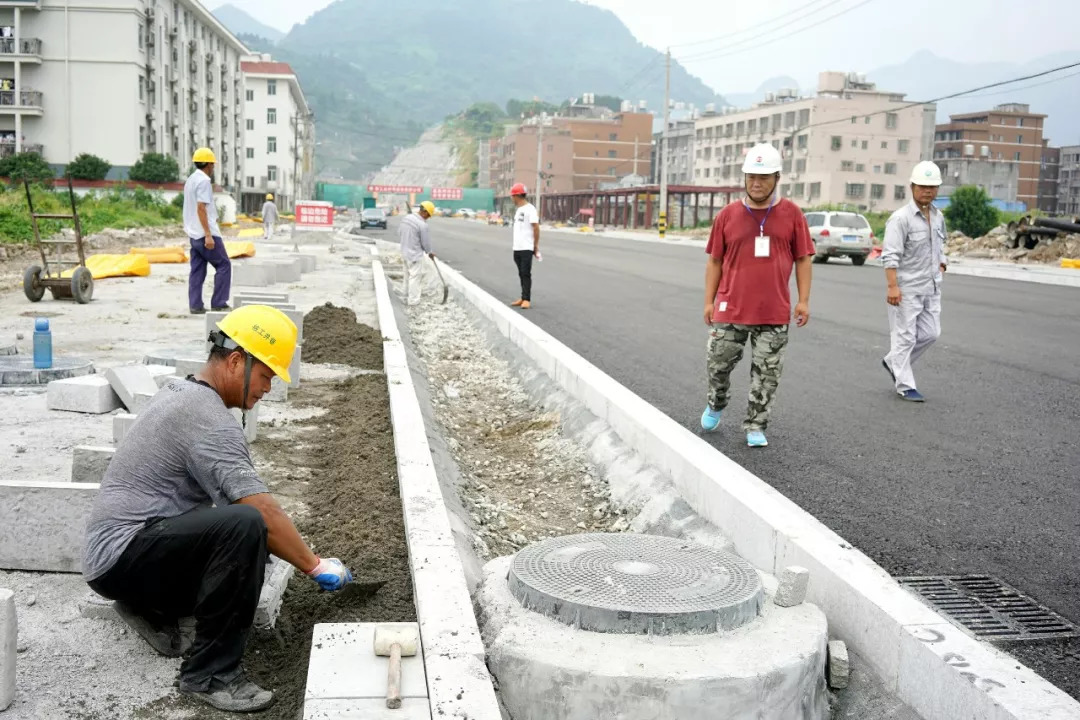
{"x":82,"y":285}
{"x":32,"y":284}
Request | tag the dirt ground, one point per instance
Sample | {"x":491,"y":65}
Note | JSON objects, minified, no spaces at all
{"x":346,"y":470}
{"x":332,"y":335}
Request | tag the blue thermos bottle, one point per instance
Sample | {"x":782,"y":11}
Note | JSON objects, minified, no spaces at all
{"x":42,"y":343}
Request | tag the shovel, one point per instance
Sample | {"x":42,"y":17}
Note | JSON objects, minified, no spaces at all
{"x":445,"y":287}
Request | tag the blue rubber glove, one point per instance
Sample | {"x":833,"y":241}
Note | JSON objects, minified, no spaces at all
{"x":331,"y":574}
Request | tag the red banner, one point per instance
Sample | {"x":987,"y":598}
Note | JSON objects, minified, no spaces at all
{"x":447,"y":194}
{"x":395,"y":189}
{"x":315,"y":214}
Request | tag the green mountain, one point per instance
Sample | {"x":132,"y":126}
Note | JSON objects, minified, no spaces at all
{"x":240,"y":23}
{"x":440,"y":57}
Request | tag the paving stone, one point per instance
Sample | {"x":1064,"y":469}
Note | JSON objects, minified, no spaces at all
{"x":88,"y":394}
{"x":251,"y":430}
{"x":121,"y":425}
{"x":279,"y":392}
{"x":128,"y":380}
{"x":161,"y":374}
{"x":310,"y":264}
{"x":253,"y":275}
{"x":243,"y":302}
{"x":88,"y":464}
{"x":287,"y":270}
{"x":258,"y":297}
{"x":294,"y":368}
{"x":140,"y":401}
{"x":792,"y":588}
{"x":189,"y":366}
{"x":9,"y":643}
{"x":839,"y":666}
{"x":42,"y":524}
{"x":278,"y":574}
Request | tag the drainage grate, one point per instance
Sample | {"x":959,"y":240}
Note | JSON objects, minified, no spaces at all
{"x":990,"y":609}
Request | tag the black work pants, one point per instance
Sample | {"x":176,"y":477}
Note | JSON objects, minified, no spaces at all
{"x":207,"y":563}
{"x":523,"y":259}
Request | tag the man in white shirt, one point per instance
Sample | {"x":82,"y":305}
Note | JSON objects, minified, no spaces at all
{"x":269,"y":216}
{"x":201,"y":225}
{"x":526,"y":243}
{"x":415,"y":245}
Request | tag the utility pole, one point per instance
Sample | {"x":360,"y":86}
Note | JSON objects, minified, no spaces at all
{"x":539,"y":164}
{"x":635,"y":154}
{"x":664,"y":146}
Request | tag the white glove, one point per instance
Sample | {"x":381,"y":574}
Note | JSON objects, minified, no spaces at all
{"x":331,"y":574}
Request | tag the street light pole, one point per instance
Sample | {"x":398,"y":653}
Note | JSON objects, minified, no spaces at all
{"x":664,"y":146}
{"x":539,"y":165}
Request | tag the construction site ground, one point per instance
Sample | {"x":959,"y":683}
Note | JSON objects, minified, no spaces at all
{"x":327,"y":454}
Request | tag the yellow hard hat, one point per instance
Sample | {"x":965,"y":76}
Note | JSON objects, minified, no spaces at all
{"x":269,"y":196}
{"x":204,"y":155}
{"x":428,"y":207}
{"x":266,"y":333}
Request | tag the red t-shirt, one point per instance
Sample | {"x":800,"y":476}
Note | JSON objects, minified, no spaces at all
{"x":754,"y":290}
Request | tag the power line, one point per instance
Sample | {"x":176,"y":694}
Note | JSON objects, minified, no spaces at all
{"x":759,"y":25}
{"x":1026,"y":87}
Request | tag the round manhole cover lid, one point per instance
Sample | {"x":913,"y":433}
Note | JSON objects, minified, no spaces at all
{"x":20,"y":370}
{"x":636,"y":584}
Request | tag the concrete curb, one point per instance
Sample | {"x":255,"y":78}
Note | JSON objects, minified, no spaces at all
{"x":1043,"y":275}
{"x":459,"y":684}
{"x":941,"y":672}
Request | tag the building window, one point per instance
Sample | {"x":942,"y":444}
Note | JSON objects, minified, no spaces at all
{"x":789,"y":119}
{"x":142,"y":138}
{"x":799,"y":189}
{"x":854,"y":119}
{"x":801,"y":142}
{"x":739,"y":128}
{"x":854,"y":190}
{"x":847,"y":166}
{"x":1019,"y":139}
{"x":764,"y":124}
{"x":1019,"y":122}
{"x":271,"y":87}
{"x":271,"y":145}
{"x":859,"y":167}
{"x":706,"y":172}
{"x":271,"y":173}
{"x":785,"y":190}
{"x":611,"y":153}
{"x":837,"y":142}
{"x":902,"y":145}
{"x":612,"y":137}
{"x":866,"y":120}
{"x":815,"y":190}
{"x":890,"y":120}
{"x":141,"y":31}
{"x":800,"y":166}
{"x":611,"y":171}
{"x":271,"y":116}
{"x":250,"y":95}
{"x":250,"y":153}
{"x":877,"y":192}
{"x":250,"y":124}
{"x":890,"y":168}
{"x":877,"y":169}
{"x":751,"y":126}
{"x":250,"y":182}
{"x":1017,"y":157}
{"x":142,"y":88}
{"x":884,"y":144}
{"x":865,"y":144}
{"x":899,"y":192}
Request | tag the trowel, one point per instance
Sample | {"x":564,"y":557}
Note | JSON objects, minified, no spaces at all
{"x":360,"y":589}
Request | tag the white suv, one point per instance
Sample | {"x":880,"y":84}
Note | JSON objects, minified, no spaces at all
{"x":839,"y":234}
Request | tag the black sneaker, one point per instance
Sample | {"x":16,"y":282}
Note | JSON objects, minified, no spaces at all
{"x":164,"y":637}
{"x":197,"y":311}
{"x":240,"y":695}
{"x":223,"y":308}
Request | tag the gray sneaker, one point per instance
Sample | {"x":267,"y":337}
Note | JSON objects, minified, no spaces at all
{"x":240,"y":695}
{"x":166,"y":639}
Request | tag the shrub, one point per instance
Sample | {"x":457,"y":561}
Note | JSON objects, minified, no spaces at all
{"x":155,"y":168}
{"x":27,"y":166}
{"x":971,"y":212}
{"x":88,"y":167}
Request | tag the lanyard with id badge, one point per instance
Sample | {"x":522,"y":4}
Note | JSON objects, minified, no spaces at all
{"x":761,"y":242}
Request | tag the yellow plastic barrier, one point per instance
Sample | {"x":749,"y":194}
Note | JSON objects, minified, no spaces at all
{"x":1072,"y":263}
{"x":162,"y":254}
{"x":250,"y":233}
{"x":107,"y":266}
{"x":240,"y":249}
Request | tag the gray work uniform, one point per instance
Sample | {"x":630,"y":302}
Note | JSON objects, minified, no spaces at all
{"x":415,"y":246}
{"x":270,"y":218}
{"x":916,"y":250}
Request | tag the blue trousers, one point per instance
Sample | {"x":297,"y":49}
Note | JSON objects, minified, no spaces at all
{"x":217,"y":257}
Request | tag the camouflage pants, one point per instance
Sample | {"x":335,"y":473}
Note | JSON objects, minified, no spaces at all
{"x":725,"y":350}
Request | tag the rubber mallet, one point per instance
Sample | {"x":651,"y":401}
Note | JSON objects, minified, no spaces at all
{"x":395,"y":643}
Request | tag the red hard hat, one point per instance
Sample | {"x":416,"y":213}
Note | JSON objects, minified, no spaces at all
{"x":518,"y":189}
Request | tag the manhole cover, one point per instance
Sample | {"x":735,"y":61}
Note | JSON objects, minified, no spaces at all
{"x":989,"y":609}
{"x":623,"y":583}
{"x":20,"y":370}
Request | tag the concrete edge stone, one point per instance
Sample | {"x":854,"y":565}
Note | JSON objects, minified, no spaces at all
{"x":864,"y":605}
{"x":277,"y":579}
{"x":9,"y":634}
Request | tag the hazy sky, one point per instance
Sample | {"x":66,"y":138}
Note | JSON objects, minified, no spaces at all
{"x":866,"y":34}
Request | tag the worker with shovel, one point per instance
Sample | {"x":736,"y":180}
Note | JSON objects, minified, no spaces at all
{"x":183,"y":524}
{"x":415,"y":246}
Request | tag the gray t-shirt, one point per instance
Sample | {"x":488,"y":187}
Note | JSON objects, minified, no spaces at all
{"x":185,"y":451}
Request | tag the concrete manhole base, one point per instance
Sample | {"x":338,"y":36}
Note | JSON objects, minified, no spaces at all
{"x":19,"y":370}
{"x":772,"y":667}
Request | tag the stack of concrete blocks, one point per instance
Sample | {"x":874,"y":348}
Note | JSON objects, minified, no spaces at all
{"x":42,"y":524}
{"x":9,"y":633}
{"x":277,"y":269}
{"x":281,"y":302}
{"x":135,"y":385}
{"x":92,"y":394}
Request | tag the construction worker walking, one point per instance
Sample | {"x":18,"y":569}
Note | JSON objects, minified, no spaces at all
{"x":201,"y":225}
{"x":752,"y":247}
{"x":913,"y":255}
{"x":269,"y":217}
{"x":526,"y":242}
{"x":415,"y":247}
{"x":182,"y":524}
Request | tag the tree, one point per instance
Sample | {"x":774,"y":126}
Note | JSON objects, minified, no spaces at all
{"x":155,"y":168}
{"x":88,"y":167}
{"x":970,"y":211}
{"x":27,"y":166}
{"x":528,"y":108}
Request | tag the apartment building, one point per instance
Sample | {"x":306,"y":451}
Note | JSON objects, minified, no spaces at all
{"x":607,"y":145}
{"x":279,"y":136}
{"x":1069,"y":181}
{"x":512,"y":158}
{"x":1008,"y":133}
{"x":118,"y":78}
{"x":680,"y":158}
{"x":1049,"y":174}
{"x":848,"y":144}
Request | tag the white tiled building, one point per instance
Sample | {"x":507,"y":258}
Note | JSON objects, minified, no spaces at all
{"x":279,"y":132}
{"x":118,"y":78}
{"x":849,"y":144}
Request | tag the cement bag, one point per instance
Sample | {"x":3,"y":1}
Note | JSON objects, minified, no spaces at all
{"x":240,"y":249}
{"x":250,"y":233}
{"x":1070,"y":263}
{"x":107,"y":266}
{"x":162,"y":254}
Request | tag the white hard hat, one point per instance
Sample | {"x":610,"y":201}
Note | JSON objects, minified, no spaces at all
{"x":762,"y":159}
{"x":926,"y":173}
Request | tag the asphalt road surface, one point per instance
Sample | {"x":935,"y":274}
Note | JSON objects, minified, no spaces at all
{"x":982,"y":478}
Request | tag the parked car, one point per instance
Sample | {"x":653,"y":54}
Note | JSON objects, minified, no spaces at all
{"x":840,"y":234}
{"x":373,"y":217}
{"x":466,"y":213}
{"x":495,"y":219}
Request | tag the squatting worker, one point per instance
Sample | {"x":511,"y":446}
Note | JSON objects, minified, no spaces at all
{"x":752,"y":248}
{"x":201,"y":225}
{"x":415,"y":245}
{"x":156,"y":546}
{"x":269,"y":216}
{"x":914,"y":258}
{"x":526,"y":243}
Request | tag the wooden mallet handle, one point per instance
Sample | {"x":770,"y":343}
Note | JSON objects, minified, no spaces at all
{"x":393,"y":682}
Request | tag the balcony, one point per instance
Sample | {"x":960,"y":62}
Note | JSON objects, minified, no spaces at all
{"x":7,"y":148}
{"x":24,"y":49}
{"x":27,"y":102}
